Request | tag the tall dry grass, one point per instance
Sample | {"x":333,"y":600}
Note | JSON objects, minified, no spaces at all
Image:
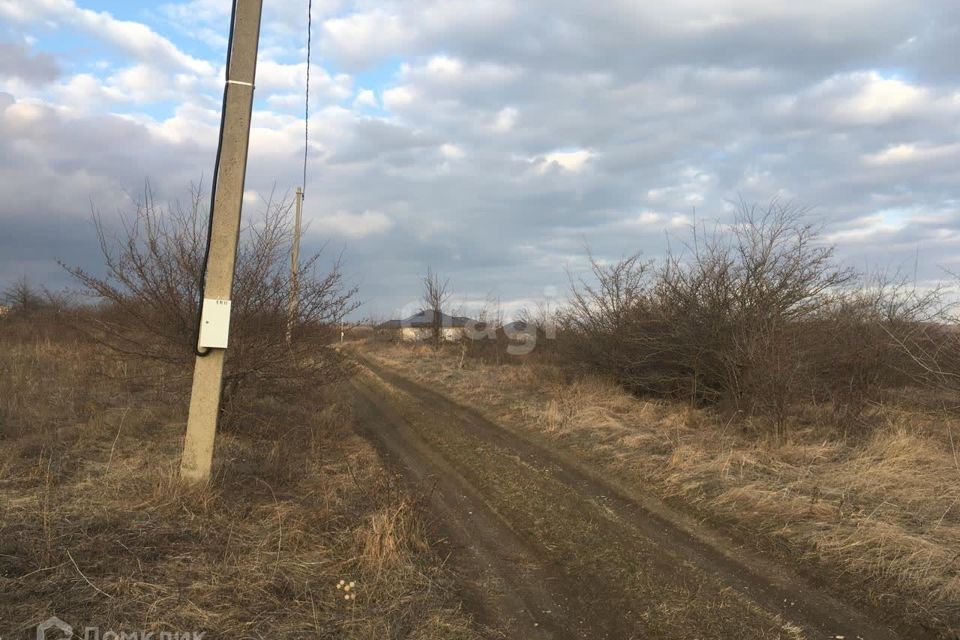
{"x":96,"y":529}
{"x":877,"y":512}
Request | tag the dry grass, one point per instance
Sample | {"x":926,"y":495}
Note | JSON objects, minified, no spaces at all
{"x":96,"y":529}
{"x":879,"y":512}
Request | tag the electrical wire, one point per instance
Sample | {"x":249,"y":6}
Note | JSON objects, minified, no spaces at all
{"x":213,"y":188}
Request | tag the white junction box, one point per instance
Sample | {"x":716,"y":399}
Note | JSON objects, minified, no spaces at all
{"x":214,"y":324}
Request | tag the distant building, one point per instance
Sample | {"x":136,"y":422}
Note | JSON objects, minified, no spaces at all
{"x":419,"y":326}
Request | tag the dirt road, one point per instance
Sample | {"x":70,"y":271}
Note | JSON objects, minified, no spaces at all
{"x":548,"y":550}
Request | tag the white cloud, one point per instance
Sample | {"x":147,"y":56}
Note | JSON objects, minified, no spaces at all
{"x":399,"y":97}
{"x":86,"y":91}
{"x":644,"y":219}
{"x":188,"y":123}
{"x":452,"y":152}
{"x":366,"y":98}
{"x":505,"y":120}
{"x":273,"y":75}
{"x":353,"y":225}
{"x":444,"y":66}
{"x":869,"y":227}
{"x":135,"y":38}
{"x":573,"y":161}
{"x":876,"y":99}
{"x":912,"y":153}
{"x":138,"y":83}
{"x":25,"y":115}
{"x":360,"y":38}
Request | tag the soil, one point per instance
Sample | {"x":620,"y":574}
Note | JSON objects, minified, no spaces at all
{"x":547,"y":549}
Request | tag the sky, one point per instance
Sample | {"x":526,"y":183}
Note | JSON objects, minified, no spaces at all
{"x":493,"y":140}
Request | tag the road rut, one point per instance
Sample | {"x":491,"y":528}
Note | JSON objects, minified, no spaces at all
{"x":548,"y":550}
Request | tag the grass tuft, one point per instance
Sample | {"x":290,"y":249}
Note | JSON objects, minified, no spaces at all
{"x":96,"y":528}
{"x":879,"y":512}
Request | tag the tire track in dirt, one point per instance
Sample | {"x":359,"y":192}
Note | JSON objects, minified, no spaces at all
{"x":509,"y":592}
{"x":545,"y":543}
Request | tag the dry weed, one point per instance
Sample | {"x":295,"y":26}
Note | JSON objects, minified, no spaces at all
{"x":96,"y":528}
{"x":879,"y":511}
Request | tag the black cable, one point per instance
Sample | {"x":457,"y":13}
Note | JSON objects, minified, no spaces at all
{"x":306,"y":108}
{"x":213,"y":188}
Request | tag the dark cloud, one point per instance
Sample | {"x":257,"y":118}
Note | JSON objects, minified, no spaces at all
{"x":17,"y":61}
{"x":516,"y":133}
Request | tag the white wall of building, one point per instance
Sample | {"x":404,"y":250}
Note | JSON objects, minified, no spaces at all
{"x":417,"y":334}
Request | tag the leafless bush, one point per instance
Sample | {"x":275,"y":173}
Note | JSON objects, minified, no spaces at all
{"x":21,"y":297}
{"x":542,"y":315}
{"x":150,"y":293}
{"x":756,"y":317}
{"x":931,"y":346}
{"x":436,"y":294}
{"x":28,"y":311}
{"x":607,"y":325}
{"x":733,"y":306}
{"x":534,"y":331}
{"x":854,"y":344}
{"x":530,"y":336}
{"x":482,"y":332}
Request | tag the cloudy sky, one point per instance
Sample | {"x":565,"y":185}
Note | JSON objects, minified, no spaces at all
{"x":494,"y":139}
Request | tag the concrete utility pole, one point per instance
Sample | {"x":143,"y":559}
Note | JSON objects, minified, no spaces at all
{"x":294,"y":269}
{"x":225,"y":228}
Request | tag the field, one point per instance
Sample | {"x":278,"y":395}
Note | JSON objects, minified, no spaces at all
{"x":873,"y":519}
{"x":302,"y":533}
{"x":429,"y":493}
{"x":479,"y":320}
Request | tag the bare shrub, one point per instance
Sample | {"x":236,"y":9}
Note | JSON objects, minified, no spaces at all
{"x":733,"y":306}
{"x":755,"y":317}
{"x":854,"y":343}
{"x":534,"y":332}
{"x":606,"y":326}
{"x":21,"y":297}
{"x":149,"y":296}
{"x":436,"y":294}
{"x":530,"y":336}
{"x":483,"y":337}
{"x":542,"y":315}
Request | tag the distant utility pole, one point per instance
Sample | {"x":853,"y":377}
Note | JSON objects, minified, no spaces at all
{"x":224,"y":231}
{"x":294,"y":269}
